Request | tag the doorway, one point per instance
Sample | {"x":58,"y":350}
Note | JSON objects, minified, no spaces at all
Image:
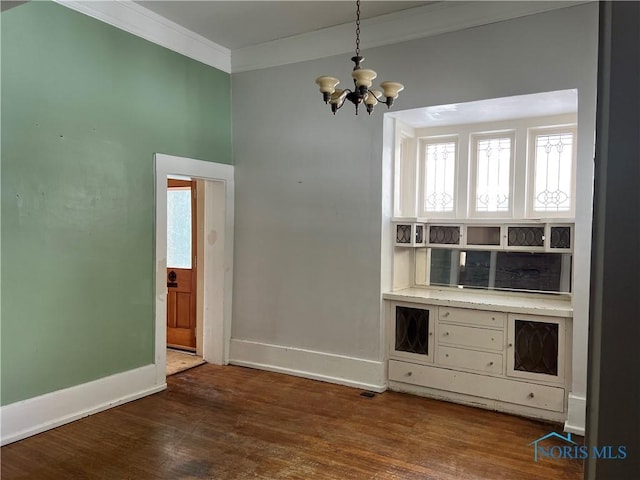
{"x":182,"y":264}
{"x":214,"y":262}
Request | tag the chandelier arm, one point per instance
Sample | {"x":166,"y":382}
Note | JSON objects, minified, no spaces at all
{"x":381,"y":99}
{"x":345,"y":96}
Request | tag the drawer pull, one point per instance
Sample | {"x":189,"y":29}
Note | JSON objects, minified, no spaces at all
{"x":446,"y":314}
{"x":490,"y":364}
{"x":446,"y":354}
{"x":531,"y":395}
{"x":510,"y":345}
{"x":446,"y":334}
{"x":409,"y":374}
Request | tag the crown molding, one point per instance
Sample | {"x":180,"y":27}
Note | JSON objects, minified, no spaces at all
{"x":428,"y":20}
{"x":144,"y":23}
{"x":432,"y":19}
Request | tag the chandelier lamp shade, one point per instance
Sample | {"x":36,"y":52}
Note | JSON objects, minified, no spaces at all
{"x":362,"y":80}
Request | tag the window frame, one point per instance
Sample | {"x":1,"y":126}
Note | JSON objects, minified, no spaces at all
{"x":532,"y":132}
{"x":474,"y":138}
{"x":423,"y":142}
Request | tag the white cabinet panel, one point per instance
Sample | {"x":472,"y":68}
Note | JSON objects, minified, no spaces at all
{"x":536,"y":348}
{"x":412,"y":330}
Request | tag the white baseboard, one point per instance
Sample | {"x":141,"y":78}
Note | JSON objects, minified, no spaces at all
{"x":576,"y":414}
{"x":327,"y":367}
{"x":34,"y":415}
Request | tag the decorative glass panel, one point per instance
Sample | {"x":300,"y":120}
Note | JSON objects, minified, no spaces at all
{"x":536,"y":347}
{"x":412,"y":330}
{"x":525,"y":236}
{"x":419,"y":234}
{"x":439,"y":177}
{"x":179,"y":228}
{"x":560,"y":237}
{"x":493,"y":163}
{"x":553,"y":169}
{"x":444,"y":235}
{"x":403,"y":233}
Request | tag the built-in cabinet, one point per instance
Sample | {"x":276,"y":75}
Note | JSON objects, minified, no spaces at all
{"x":501,"y":359}
{"x":530,"y":237}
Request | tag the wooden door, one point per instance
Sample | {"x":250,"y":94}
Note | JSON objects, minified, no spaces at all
{"x":181,"y":264}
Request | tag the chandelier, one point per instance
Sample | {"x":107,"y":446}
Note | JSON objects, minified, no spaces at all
{"x":362,"y":79}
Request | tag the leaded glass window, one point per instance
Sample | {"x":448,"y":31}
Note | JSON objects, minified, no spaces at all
{"x":553,"y":172}
{"x":412,"y":330}
{"x":443,"y":235}
{"x":536,"y":347}
{"x":560,"y":237}
{"x":403,"y":234}
{"x":493,"y":174}
{"x":439,"y":176}
{"x":525,"y":236}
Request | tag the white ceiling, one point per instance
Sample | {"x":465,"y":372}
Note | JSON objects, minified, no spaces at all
{"x":492,"y":110}
{"x":238,"y":36}
{"x":237,"y":24}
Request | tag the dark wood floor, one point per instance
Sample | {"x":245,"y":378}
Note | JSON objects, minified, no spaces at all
{"x":235,"y":423}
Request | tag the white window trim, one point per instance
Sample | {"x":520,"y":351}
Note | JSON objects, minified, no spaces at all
{"x":422,"y":158}
{"x":405,"y":191}
{"x":408,"y":204}
{"x":474,"y":138}
{"x":531,"y":165}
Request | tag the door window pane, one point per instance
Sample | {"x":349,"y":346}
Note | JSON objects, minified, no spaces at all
{"x":179,"y":228}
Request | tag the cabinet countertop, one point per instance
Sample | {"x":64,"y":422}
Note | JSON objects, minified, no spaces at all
{"x":534,"y":304}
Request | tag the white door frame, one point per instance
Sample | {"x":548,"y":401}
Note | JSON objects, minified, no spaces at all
{"x":218,"y":253}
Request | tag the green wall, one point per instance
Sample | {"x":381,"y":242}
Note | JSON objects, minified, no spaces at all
{"x":84,"y":108}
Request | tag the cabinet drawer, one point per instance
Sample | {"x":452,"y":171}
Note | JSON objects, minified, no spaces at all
{"x":533,"y":395}
{"x":478,"y":385}
{"x":470,"y":359}
{"x":471,"y":336}
{"x":472,"y":317}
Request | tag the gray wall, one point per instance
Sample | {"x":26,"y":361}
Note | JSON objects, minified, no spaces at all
{"x":614,"y":381}
{"x":309,"y":185}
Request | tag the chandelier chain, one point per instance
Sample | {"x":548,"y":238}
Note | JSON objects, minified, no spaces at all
{"x":357,"y":28}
